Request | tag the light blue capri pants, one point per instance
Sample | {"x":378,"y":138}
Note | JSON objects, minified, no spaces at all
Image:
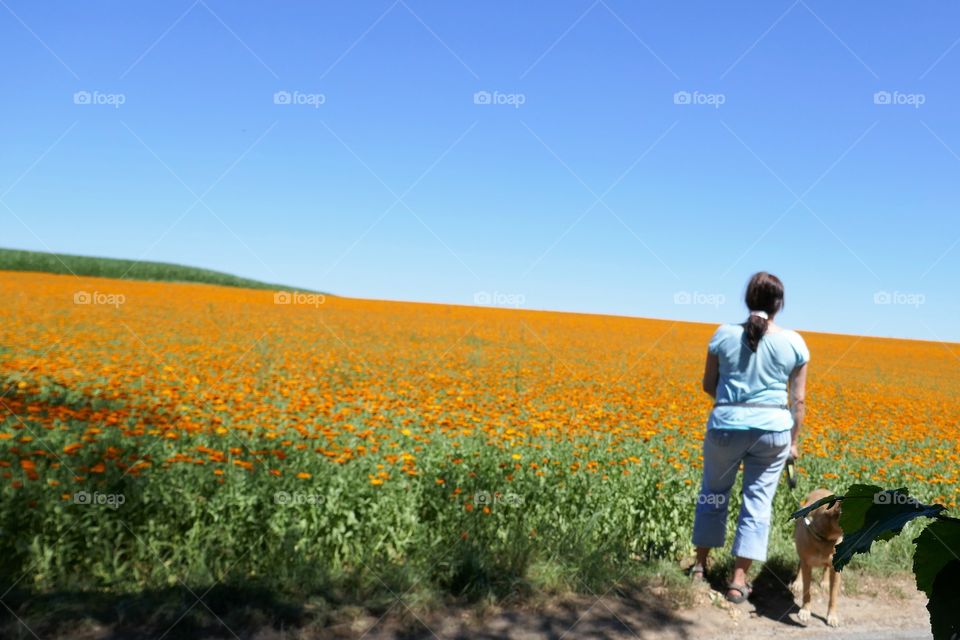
{"x":763,"y":454}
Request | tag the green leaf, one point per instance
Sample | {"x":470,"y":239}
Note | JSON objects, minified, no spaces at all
{"x":856,"y":501}
{"x":854,"y":511}
{"x":944,"y":604}
{"x":800,"y":513}
{"x":937,"y":545}
{"x":885,"y":515}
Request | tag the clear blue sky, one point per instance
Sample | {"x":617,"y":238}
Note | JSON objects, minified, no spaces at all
{"x":598,"y":193}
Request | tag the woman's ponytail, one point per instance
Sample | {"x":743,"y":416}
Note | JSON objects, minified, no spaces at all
{"x":756,"y":327}
{"x":764,"y":299}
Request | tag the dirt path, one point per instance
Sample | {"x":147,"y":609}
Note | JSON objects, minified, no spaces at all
{"x":644,"y":615}
{"x":871,"y":609}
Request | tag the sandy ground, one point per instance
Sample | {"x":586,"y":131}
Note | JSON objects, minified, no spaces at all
{"x":874,"y":609}
{"x":646,"y":616}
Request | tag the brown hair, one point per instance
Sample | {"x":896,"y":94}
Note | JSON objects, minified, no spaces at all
{"x":764,"y":293}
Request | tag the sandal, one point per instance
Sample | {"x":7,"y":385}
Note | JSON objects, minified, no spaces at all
{"x":745,"y":591}
{"x":697,"y":573}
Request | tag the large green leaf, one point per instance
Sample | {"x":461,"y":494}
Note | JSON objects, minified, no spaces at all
{"x":800,"y":513}
{"x":936,"y":564}
{"x":858,"y":499}
{"x":944,"y":604}
{"x":937,"y":546}
{"x":878,"y":517}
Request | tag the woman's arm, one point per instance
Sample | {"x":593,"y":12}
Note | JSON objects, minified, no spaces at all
{"x":711,"y":374}
{"x":798,"y":406}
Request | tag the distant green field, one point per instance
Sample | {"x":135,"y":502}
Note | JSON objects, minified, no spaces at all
{"x":16,"y":260}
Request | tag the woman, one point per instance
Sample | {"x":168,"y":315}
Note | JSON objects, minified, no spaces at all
{"x":750,"y":370}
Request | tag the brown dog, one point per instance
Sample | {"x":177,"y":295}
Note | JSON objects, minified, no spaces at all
{"x":816,"y":537}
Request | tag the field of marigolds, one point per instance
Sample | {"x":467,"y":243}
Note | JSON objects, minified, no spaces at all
{"x":157,"y":433}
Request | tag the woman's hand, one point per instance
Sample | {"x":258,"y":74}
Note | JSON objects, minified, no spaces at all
{"x":794,"y":450}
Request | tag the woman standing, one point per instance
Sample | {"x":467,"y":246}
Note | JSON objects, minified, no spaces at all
{"x":751,"y":370}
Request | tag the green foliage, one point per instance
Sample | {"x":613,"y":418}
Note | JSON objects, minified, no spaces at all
{"x":872,"y":513}
{"x":858,"y":499}
{"x":929,"y":559}
{"x":937,"y":568}
{"x":802,"y":512}
{"x":61,"y":263}
{"x":875,"y":514}
{"x":944,"y":604}
{"x":579,"y":519}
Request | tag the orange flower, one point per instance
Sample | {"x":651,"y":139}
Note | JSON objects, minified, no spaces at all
{"x":427,"y":391}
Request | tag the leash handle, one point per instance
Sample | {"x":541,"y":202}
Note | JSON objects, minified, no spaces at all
{"x":791,"y":473}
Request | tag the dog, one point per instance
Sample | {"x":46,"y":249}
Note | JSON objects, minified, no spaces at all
{"x":816,"y":537}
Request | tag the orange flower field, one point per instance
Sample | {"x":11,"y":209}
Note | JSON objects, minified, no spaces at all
{"x":153,"y":432}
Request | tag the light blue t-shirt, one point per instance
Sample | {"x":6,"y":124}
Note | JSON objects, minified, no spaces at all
{"x":750,"y":377}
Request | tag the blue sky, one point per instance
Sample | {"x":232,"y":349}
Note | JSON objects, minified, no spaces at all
{"x":632,"y":158}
